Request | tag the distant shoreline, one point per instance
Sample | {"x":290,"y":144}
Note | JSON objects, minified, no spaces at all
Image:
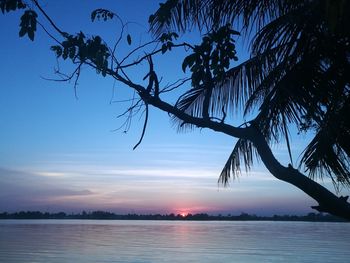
{"x":101,"y":215}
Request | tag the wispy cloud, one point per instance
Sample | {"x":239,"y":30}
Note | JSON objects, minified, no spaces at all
{"x":20,"y":189}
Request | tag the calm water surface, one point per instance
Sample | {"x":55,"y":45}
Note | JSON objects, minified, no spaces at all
{"x":83,"y":241}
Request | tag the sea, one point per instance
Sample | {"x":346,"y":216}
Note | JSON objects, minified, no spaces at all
{"x":84,"y":241}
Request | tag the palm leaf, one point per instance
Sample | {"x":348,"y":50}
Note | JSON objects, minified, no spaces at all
{"x":182,"y":15}
{"x":176,"y":15}
{"x":324,"y":158}
{"x":243,"y":151}
{"x":328,"y":154}
{"x":190,"y":102}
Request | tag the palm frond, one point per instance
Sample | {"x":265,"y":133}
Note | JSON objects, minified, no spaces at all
{"x":230,"y":95}
{"x":328,"y":154}
{"x":244,"y":151}
{"x":241,"y":83}
{"x":176,"y":15}
{"x":182,"y":15}
{"x":283,"y":31}
{"x":190,"y":102}
{"x":322,"y":157}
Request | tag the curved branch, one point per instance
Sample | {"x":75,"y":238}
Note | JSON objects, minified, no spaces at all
{"x":48,"y":18}
{"x":327,"y":201}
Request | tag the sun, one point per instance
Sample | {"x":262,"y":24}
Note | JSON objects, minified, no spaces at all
{"x":183,"y":214}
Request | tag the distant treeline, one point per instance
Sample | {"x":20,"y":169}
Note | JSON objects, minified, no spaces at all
{"x":98,"y":215}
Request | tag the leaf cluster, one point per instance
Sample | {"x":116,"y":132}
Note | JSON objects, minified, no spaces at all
{"x":11,"y":5}
{"x":81,"y":49}
{"x":167,"y":41}
{"x":101,"y":14}
{"x":214,"y":53}
{"x":28,"y":24}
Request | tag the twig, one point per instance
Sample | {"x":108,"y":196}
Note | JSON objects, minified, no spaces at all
{"x":177,"y":84}
{"x":144,"y":128}
{"x":48,"y":33}
{"x":49,"y":19}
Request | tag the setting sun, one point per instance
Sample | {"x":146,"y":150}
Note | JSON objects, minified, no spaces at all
{"x":183,"y":214}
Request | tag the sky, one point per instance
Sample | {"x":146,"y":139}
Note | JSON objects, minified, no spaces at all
{"x":62,"y":153}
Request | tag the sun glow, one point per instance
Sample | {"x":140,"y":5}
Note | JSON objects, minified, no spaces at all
{"x":183,"y":214}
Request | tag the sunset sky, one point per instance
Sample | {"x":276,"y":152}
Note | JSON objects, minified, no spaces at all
{"x":59,"y":153}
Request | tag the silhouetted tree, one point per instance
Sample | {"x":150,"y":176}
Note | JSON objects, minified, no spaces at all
{"x":297,"y":75}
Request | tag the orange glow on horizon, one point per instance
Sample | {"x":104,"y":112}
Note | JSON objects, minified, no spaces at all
{"x":184,"y":211}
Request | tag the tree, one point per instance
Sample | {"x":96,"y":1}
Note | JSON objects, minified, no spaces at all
{"x":297,"y":75}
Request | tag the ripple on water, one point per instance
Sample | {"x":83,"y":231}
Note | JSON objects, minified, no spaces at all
{"x":172,"y":241}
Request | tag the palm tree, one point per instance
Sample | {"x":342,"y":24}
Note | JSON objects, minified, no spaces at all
{"x":298,"y":74}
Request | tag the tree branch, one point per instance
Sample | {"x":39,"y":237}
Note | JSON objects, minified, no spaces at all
{"x":327,"y":201}
{"x":48,"y":18}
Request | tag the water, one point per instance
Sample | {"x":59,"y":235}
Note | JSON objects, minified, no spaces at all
{"x":84,"y":241}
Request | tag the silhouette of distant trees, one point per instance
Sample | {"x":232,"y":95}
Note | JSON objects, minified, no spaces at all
{"x":297,"y":75}
{"x":33,"y":215}
{"x":101,"y":215}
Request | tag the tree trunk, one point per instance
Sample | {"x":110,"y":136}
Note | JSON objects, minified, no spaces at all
{"x":327,"y":201}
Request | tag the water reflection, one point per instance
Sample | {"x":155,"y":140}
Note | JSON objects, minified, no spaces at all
{"x":162,"y":241}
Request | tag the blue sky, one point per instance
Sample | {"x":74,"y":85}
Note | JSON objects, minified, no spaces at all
{"x":59,"y":153}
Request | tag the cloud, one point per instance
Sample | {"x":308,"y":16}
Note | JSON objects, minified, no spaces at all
{"x":50,"y":174}
{"x":24,"y":190}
